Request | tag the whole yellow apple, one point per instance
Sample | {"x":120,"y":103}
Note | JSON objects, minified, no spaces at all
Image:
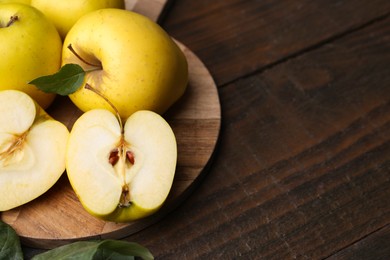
{"x":30,"y":47}
{"x":131,"y":60}
{"x":64,"y":14}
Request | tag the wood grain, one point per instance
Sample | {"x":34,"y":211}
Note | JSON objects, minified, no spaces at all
{"x":302,"y":169}
{"x":378,"y":242}
{"x":57,"y":217}
{"x":236,"y":38}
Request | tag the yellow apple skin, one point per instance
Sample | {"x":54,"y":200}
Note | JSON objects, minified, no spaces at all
{"x":143,"y":68}
{"x":65,"y":13}
{"x":32,"y":149}
{"x":30,"y":48}
{"x":122,"y":215}
{"x":27,"y":2}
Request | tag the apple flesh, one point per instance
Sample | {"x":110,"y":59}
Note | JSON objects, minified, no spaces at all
{"x":30,"y":47}
{"x":32,"y":149}
{"x":64,"y":14}
{"x":136,"y":64}
{"x":121,"y":175}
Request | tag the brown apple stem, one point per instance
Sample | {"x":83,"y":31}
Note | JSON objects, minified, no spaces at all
{"x":125,"y":201}
{"x":81,"y":58}
{"x":89,"y":87}
{"x":12,"y":19}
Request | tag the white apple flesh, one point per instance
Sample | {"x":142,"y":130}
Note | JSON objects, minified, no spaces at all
{"x":32,"y":149}
{"x":121,"y":175}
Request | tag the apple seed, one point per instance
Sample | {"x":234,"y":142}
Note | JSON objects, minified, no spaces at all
{"x":130,"y":157}
{"x":114,"y":157}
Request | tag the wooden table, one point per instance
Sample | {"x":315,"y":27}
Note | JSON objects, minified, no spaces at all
{"x":302,"y":167}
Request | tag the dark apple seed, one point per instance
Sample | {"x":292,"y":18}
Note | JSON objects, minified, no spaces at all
{"x":130,"y":157}
{"x":114,"y":157}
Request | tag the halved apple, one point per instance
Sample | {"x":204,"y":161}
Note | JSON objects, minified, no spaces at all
{"x":121,"y":173}
{"x":32,"y":149}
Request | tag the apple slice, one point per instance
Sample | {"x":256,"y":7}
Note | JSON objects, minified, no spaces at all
{"x":121,"y":173}
{"x":32,"y":149}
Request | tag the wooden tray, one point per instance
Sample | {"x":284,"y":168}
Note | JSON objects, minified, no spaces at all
{"x":57,"y":217}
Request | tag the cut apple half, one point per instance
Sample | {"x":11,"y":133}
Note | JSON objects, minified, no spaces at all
{"x":32,"y":149}
{"x":121,"y":173}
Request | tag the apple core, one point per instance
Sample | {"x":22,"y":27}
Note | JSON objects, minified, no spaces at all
{"x":10,"y":150}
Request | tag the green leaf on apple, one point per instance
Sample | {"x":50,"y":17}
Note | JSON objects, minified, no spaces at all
{"x":9,"y":243}
{"x":65,"y":82}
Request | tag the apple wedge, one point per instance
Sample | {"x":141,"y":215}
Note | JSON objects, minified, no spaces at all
{"x":32,"y":149}
{"x":121,"y":173}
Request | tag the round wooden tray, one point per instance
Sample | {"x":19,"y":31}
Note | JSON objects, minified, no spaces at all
{"x":57,"y":217}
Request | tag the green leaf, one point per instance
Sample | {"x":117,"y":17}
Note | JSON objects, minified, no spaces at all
{"x":116,"y":248}
{"x":96,"y":250}
{"x":66,"y":81}
{"x":9,"y":243}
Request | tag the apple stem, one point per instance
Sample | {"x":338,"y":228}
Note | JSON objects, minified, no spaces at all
{"x":89,"y":87}
{"x":83,"y":60}
{"x":125,"y":197}
{"x":12,"y":19}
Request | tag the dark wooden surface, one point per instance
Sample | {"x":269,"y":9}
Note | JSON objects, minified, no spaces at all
{"x":302,"y":169}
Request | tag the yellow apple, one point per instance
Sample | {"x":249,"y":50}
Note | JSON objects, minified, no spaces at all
{"x":132,"y":61}
{"x":65,"y":13}
{"x":32,"y":149}
{"x":121,"y":173}
{"x":27,"y":2}
{"x":30,"y":47}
